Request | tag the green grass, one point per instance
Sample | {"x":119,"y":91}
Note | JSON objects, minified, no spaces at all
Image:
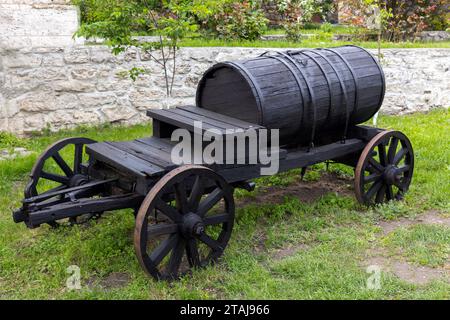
{"x":329,"y":237}
{"x":317,"y":29}
{"x":317,"y":37}
{"x":307,"y":43}
{"x":427,"y":245}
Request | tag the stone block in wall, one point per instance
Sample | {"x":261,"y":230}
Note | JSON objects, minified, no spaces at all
{"x":73,"y":86}
{"x":97,"y":99}
{"x":183,"y":92}
{"x":35,"y":102}
{"x":62,"y":119}
{"x":118,"y":113}
{"x":18,"y":60}
{"x":33,"y":23}
{"x":84,"y":73}
{"x":76,"y":55}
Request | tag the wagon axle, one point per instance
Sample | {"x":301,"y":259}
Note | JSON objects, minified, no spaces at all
{"x":192,"y":225}
{"x":393,"y":175}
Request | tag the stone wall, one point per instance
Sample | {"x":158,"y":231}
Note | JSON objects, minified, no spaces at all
{"x":61,"y":87}
{"x":35,"y":23}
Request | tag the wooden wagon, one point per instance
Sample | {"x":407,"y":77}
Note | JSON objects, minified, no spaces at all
{"x":185,"y":213}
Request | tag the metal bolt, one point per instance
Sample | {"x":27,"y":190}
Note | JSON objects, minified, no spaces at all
{"x":199,"y":229}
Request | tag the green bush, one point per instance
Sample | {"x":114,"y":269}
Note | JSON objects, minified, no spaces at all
{"x":235,"y":20}
{"x":293,"y":31}
{"x":326,"y":27}
{"x":97,"y":10}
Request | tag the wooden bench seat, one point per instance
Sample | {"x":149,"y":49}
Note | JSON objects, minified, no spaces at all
{"x":165,"y":121}
{"x":148,"y":157}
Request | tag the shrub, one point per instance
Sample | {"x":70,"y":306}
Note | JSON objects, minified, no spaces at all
{"x":403,"y":18}
{"x":326,"y":27}
{"x":235,"y":20}
{"x":293,"y":31}
{"x":410,"y":17}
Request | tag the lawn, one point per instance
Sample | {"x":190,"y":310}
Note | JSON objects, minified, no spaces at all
{"x":308,"y":43}
{"x":292,"y":239}
{"x":314,"y":36}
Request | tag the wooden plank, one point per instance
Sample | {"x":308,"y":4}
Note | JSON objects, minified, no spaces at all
{"x":206,"y":120}
{"x":302,"y":158}
{"x":162,"y":144}
{"x":223,"y":118}
{"x":154,"y":156}
{"x":177,"y":120}
{"x":184,"y":119}
{"x":122,"y":160}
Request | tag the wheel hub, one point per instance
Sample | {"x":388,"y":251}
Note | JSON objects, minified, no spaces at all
{"x":192,"y":225}
{"x":78,"y":180}
{"x":391,"y":174}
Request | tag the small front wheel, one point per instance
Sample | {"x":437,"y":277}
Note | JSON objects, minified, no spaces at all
{"x":385,"y":169}
{"x":184,"y":222}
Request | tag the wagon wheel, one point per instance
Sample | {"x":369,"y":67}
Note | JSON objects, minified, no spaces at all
{"x":385,"y":168}
{"x":52,"y":172}
{"x":192,"y":230}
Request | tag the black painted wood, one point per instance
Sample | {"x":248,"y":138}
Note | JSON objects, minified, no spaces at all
{"x":298,"y":92}
{"x":165,"y":121}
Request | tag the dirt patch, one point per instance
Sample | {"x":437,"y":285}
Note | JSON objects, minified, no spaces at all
{"x":420,"y":275}
{"x":289,"y":251}
{"x":113,"y":281}
{"x":429,"y":217}
{"x":305,"y":191}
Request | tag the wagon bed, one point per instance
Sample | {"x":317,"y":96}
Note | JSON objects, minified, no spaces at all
{"x":149,"y":158}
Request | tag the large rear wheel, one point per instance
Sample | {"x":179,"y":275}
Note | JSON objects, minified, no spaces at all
{"x":184,"y":222}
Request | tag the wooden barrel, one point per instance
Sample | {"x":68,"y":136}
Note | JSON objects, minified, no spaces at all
{"x":305,"y":93}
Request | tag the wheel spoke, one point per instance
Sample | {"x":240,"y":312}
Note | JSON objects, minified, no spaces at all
{"x":380,"y":194}
{"x":210,"y":242}
{"x":403,"y":169}
{"x":163,"y":249}
{"x":196,"y":193}
{"x":389,"y":193}
{"x":54,"y":177}
{"x":212,"y":199}
{"x":181,"y":197}
{"x":216,"y":219}
{"x":175,"y":257}
{"x":392,"y":149}
{"x":374,"y":189}
{"x":376,"y":165}
{"x":399,"y":156}
{"x":401,"y":185}
{"x":192,"y":253}
{"x":382,"y":154}
{"x":78,"y":159}
{"x":371,"y":178}
{"x":62,"y":164}
{"x":161,"y":229}
{"x":168,"y":210}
